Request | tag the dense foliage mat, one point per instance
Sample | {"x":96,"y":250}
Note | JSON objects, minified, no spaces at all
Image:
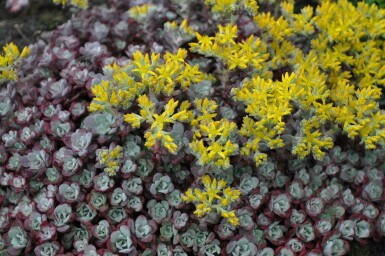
{"x":195,"y":128}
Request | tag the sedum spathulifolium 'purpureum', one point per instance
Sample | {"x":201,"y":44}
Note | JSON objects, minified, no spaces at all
{"x":248,"y":128}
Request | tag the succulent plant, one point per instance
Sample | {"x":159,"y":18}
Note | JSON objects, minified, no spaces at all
{"x":158,"y":210}
{"x":161,"y":184}
{"x":148,"y":128}
{"x":120,"y":241}
{"x":17,"y":240}
{"x":101,"y":231}
{"x":144,"y":229}
{"x":47,"y":248}
{"x":241,"y":247}
{"x":62,"y":216}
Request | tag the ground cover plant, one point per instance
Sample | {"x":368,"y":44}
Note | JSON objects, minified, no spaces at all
{"x":195,"y":127}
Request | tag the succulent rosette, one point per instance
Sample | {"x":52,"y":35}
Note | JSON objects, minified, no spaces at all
{"x":101,"y":231}
{"x":78,"y":141}
{"x":48,"y":249}
{"x":167,"y":231}
{"x":241,"y":246}
{"x":16,"y":240}
{"x":62,"y":216}
{"x":159,"y":211}
{"x":143,"y":229}
{"x":121,"y":241}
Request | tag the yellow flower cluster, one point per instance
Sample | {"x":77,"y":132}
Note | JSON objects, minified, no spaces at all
{"x":250,"y":53}
{"x":344,"y":68}
{"x":83,"y":4}
{"x":144,"y":73}
{"x":276,"y":33}
{"x":214,"y":198}
{"x":299,"y":23}
{"x":178,"y":33}
{"x":182,"y":28}
{"x":267,"y":103}
{"x":8,"y":60}
{"x":311,"y":140}
{"x":142,"y":12}
{"x":335,"y":83}
{"x":109,"y":158}
{"x":335,"y":58}
{"x":212,"y":142}
{"x":225,"y":8}
{"x":159,"y":121}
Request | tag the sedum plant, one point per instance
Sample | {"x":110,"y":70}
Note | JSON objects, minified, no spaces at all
{"x":251,"y":127}
{"x":214,"y":198}
{"x":82,"y":4}
{"x":110,"y":159}
{"x":158,"y":121}
{"x":8,"y":61}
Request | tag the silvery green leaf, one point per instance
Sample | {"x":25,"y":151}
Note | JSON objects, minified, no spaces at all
{"x":103,"y":182}
{"x":188,"y":238}
{"x":267,"y":170}
{"x":370,"y":211}
{"x":245,"y":217}
{"x":69,"y":192}
{"x":120,"y":240}
{"x":163,"y":250}
{"x":86,"y":178}
{"x":295,"y":245}
{"x":275,"y":232}
{"x":363,"y":229}
{"x":178,"y":251}
{"x":80,"y":233}
{"x":225,"y":230}
{"x":14,"y":162}
{"x":100,"y":123}
{"x":102,"y":230}
{"x":98,"y":200}
{"x":118,"y":197}
{"x":161,"y":184}
{"x":248,"y":184}
{"x":347,"y":229}
{"x":145,"y":167}
{"x":135,"y":203}
{"x":62,"y":214}
{"x":85,"y":213}
{"x":5,"y":106}
{"x":266,"y":252}
{"x":131,"y":149}
{"x":158,"y":210}
{"x":116,"y":215}
{"x":174,"y":198}
{"x":9,"y":138}
{"x":167,"y":231}
{"x":335,"y":246}
{"x":52,"y":174}
{"x":305,"y":232}
{"x":374,"y":191}
{"x":241,"y":247}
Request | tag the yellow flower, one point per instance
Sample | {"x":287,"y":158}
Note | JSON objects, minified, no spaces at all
{"x":9,"y":60}
{"x":101,"y":91}
{"x":159,"y":121}
{"x":204,"y":42}
{"x":77,"y":3}
{"x":211,"y":200}
{"x":227,"y":34}
{"x":109,"y":158}
{"x":141,"y":12}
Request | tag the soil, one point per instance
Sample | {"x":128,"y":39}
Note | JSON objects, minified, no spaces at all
{"x":42,"y":15}
{"x":23,"y":27}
